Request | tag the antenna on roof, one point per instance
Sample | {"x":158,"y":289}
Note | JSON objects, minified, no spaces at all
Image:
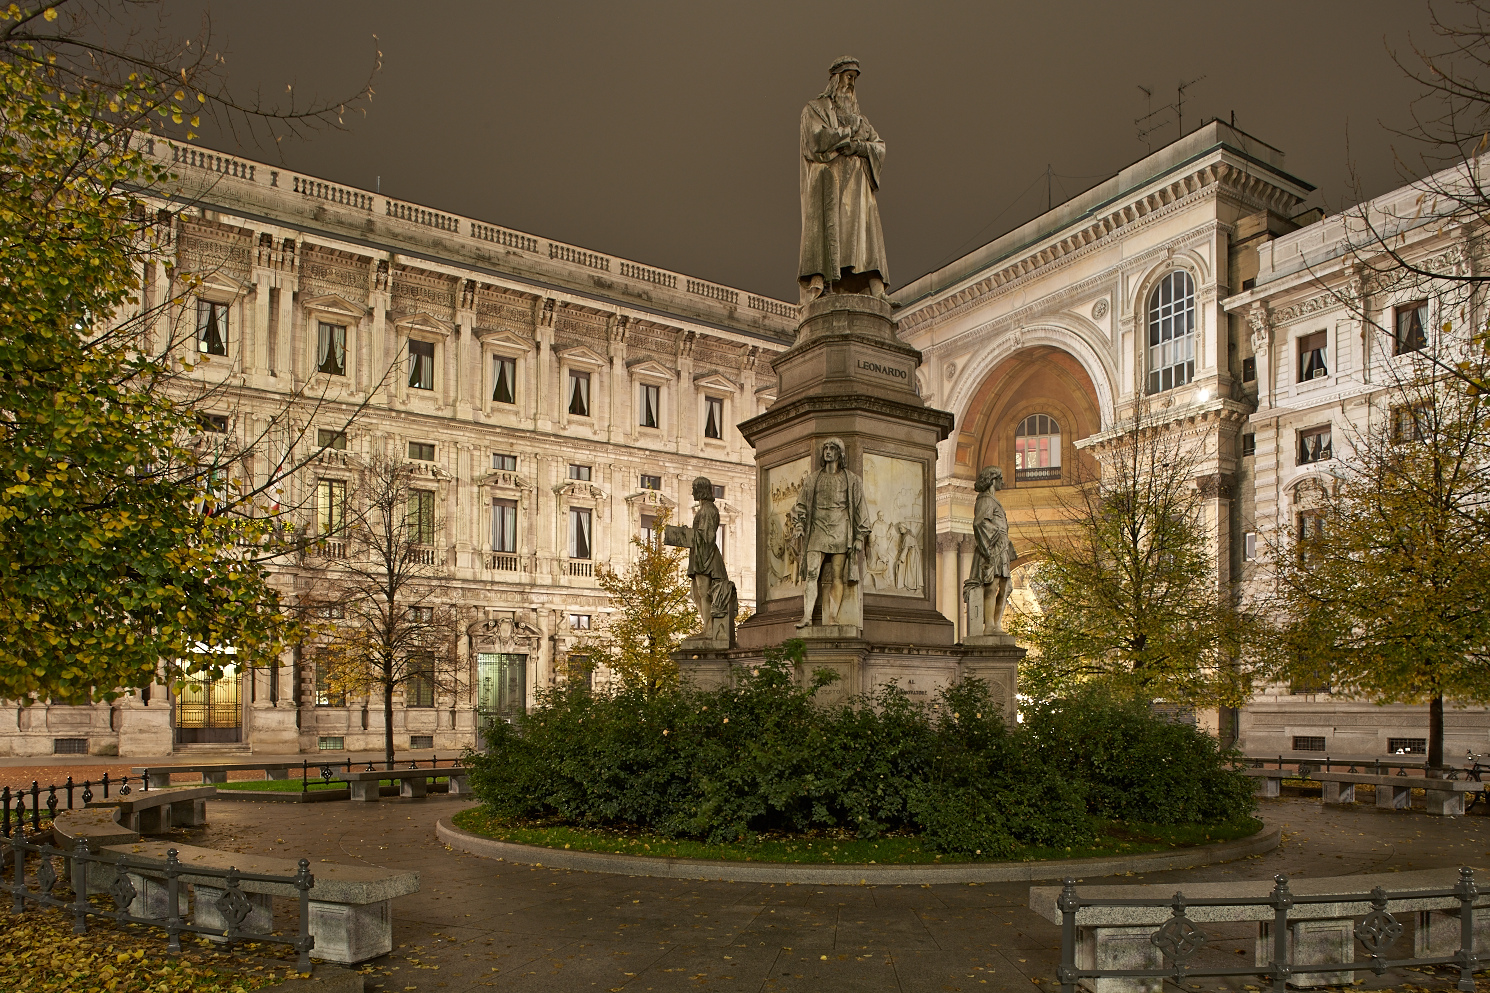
{"x":1143,"y":135}
{"x":1154,"y":119}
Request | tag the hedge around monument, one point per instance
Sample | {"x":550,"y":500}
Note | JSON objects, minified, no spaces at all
{"x":730,"y":764}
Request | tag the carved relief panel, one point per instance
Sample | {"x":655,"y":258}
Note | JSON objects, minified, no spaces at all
{"x":894,"y":494}
{"x":783,"y":534}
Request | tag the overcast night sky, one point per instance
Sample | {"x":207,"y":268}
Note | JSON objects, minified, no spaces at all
{"x":667,"y":132}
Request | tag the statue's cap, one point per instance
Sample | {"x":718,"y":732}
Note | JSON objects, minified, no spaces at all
{"x":842,"y":63}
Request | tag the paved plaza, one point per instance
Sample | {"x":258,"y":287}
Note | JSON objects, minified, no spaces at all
{"x":480,"y":924}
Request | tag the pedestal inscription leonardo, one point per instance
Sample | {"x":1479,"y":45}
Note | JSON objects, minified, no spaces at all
{"x":846,"y":456}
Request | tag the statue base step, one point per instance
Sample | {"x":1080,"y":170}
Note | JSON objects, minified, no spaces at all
{"x":701,"y":643}
{"x":836,"y":632}
{"x":989,"y":639}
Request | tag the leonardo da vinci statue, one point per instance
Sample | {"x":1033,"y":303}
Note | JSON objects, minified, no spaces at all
{"x":843,"y":247}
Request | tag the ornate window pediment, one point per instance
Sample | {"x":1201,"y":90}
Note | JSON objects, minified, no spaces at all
{"x":579,"y":488}
{"x":650,"y":369}
{"x":424,"y":324}
{"x":336,"y":306}
{"x":579,"y":355}
{"x":651,"y":498}
{"x":715,"y":382}
{"x":218,"y":287}
{"x":506,"y":478}
{"x":505,"y":341}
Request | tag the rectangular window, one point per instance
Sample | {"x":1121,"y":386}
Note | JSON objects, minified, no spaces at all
{"x":1407,"y":746}
{"x":421,"y":615}
{"x":581,"y":472}
{"x":422,"y":517}
{"x":214,"y":423}
{"x":579,"y":622}
{"x":331,"y":743}
{"x":423,"y":451}
{"x":501,"y":684}
{"x":651,"y":482}
{"x":504,"y":525}
{"x":419,"y":689}
{"x":579,"y":393}
{"x":1314,"y":445}
{"x":580,"y":519}
{"x":1249,"y":444}
{"x":421,"y":365}
{"x":212,"y":328}
{"x":650,"y":401}
{"x":422,"y":740}
{"x":505,"y":463}
{"x":1411,"y":423}
{"x":649,"y":529}
{"x":1312,"y":364}
{"x":504,"y":380}
{"x":69,"y":746}
{"x":1411,"y":327}
{"x":331,"y":349}
{"x":335,"y":440}
{"x":1249,"y":546}
{"x":718,"y":492}
{"x":326,"y":694}
{"x":713,"y":417}
{"x":331,"y":506}
{"x":1308,"y":743}
{"x":1310,"y":524}
{"x":1249,"y":370}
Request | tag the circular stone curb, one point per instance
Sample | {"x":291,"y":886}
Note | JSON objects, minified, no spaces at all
{"x":851,"y":875}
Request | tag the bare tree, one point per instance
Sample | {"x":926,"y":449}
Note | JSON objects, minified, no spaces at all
{"x":377,"y":592}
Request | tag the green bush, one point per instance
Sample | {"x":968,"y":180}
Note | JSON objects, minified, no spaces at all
{"x":1138,"y":766}
{"x":726,"y":765}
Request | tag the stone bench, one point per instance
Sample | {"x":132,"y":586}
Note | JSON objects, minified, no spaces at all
{"x":1319,"y":933}
{"x":411,"y":782}
{"x":1445,"y":797}
{"x":100,"y":827}
{"x":158,"y":811}
{"x":351,"y":914}
{"x":160,"y":778}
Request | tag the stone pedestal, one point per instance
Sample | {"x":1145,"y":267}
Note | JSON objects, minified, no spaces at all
{"x":351,"y":933}
{"x":206,"y":913}
{"x":1339,"y":792}
{"x":1391,"y":797}
{"x":1118,"y":948}
{"x":1325,"y":941}
{"x":848,"y":377}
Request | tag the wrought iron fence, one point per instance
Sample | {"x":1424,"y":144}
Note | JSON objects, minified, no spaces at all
{"x":13,"y":805}
{"x":1180,"y":939}
{"x":234,"y":906}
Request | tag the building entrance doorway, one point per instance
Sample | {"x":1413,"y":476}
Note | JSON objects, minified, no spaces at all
{"x":501,"y":686}
{"x":210,"y":711}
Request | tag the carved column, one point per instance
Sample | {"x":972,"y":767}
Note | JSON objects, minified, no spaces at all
{"x":949,"y":592}
{"x":1260,"y":320}
{"x":549,"y":392}
{"x":621,"y":427}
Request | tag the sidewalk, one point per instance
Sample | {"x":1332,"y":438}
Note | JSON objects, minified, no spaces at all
{"x":22,"y":770}
{"x":478,"y":924}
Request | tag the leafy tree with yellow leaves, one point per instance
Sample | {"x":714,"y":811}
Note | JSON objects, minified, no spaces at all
{"x":655,"y":612}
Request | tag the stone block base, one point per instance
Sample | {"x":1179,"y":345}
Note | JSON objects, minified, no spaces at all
{"x":1269,"y":787}
{"x":1118,"y":948}
{"x":1393,"y":797}
{"x":413,"y":787}
{"x":1339,"y":792}
{"x":366,"y":791}
{"x":1439,"y":933}
{"x":206,"y":913}
{"x":348,"y":934}
{"x":1321,"y":942}
{"x":1445,"y":804}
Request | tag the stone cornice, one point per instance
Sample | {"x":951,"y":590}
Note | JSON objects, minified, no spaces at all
{"x":858,"y":402}
{"x":1211,"y":180}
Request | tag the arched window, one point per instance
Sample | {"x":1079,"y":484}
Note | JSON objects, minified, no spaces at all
{"x":1172,"y":332}
{"x":1037,"y":448}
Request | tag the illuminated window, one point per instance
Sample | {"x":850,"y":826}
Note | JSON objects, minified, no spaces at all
{"x":1037,"y":448}
{"x":331,"y":506}
{"x":1172,"y":332}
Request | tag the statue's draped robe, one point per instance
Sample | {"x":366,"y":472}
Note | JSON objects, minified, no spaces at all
{"x":840,"y":212}
{"x":992,"y":553}
{"x":856,"y":520}
{"x":705,"y":559}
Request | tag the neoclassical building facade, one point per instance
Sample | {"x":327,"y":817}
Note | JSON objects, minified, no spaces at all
{"x":554,"y":399}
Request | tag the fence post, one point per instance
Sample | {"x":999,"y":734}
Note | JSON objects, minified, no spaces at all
{"x":18,"y":882}
{"x":303,"y":882}
{"x":69,"y":792}
{"x":173,"y":900}
{"x":1282,"y":900}
{"x":5,"y":806}
{"x":35,"y":807}
{"x":80,"y":887}
{"x":52,"y":801}
{"x":20,"y":809}
{"x":106,"y":786}
{"x":304,"y":776}
{"x":1466,"y":891}
{"x":1068,"y":904}
{"x":146,"y":787}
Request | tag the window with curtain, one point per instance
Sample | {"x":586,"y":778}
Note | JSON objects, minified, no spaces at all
{"x":579,"y":393}
{"x":1312,"y":363}
{"x":504,"y":525}
{"x":580,"y":534}
{"x":331,"y":506}
{"x":713,"y":417}
{"x":421,"y":365}
{"x":1412,"y":322}
{"x":503,"y":462}
{"x":419,"y":688}
{"x":331,"y":349}
{"x":504,"y":380}
{"x":1314,"y":445}
{"x":421,"y":519}
{"x":1172,"y":332}
{"x":212,"y":328}
{"x":650,"y":402}
{"x":1037,"y":448}
{"x":581,"y":472}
